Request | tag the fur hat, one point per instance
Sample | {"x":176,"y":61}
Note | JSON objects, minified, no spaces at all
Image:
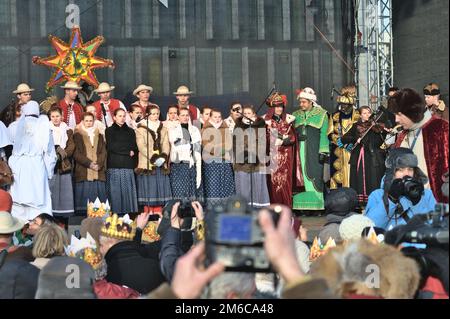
{"x":409,"y":103}
{"x":400,"y":158}
{"x":345,"y":270}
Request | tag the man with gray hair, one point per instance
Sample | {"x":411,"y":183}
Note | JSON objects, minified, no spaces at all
{"x":232,"y":285}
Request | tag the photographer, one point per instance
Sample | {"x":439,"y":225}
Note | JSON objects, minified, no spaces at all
{"x":171,"y":243}
{"x":403,"y":195}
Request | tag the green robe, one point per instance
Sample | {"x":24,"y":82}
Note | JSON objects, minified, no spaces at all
{"x":311,"y":128}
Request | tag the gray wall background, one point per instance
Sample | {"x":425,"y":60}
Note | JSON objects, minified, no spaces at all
{"x":222,"y":47}
{"x":420,"y":29}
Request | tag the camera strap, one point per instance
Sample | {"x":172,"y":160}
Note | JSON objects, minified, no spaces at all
{"x":399,"y":211}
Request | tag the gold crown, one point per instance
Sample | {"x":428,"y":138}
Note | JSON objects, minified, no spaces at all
{"x":150,"y":232}
{"x":347,"y":99}
{"x":120,"y":228}
{"x":373,"y":237}
{"x":98,"y":209}
{"x":85,"y":249}
{"x":317,"y":249}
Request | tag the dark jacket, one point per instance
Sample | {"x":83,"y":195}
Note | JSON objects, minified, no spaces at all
{"x":170,"y":251}
{"x":18,"y":280}
{"x":81,"y":156}
{"x":128,"y":266}
{"x":120,"y":141}
{"x":247,"y":155}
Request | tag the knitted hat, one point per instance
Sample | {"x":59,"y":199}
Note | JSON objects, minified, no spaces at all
{"x":400,"y":158}
{"x":409,"y":103}
{"x":5,"y":201}
{"x":353,"y":226}
{"x":341,"y":201}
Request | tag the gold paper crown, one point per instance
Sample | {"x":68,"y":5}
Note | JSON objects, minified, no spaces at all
{"x":150,"y":232}
{"x":98,"y":209}
{"x":85,"y":249}
{"x":317,"y":249}
{"x":374,"y":238}
{"x":120,"y":228}
{"x":347,"y":98}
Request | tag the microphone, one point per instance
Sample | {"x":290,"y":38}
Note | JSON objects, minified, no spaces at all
{"x":332,"y":93}
{"x":103,"y":110}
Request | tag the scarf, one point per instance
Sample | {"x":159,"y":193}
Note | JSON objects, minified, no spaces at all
{"x":59,"y":134}
{"x":90,"y":131}
{"x":216,"y":125}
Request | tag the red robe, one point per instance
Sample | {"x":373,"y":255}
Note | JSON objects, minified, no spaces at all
{"x":77,"y":109}
{"x":435,"y":144}
{"x":281,"y":180}
{"x":114,"y":104}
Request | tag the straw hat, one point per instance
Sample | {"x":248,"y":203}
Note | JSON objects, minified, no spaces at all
{"x":9,"y":224}
{"x":104,"y":87}
{"x":23,"y":88}
{"x":71,"y":85}
{"x":142,"y":87}
{"x":183,"y":90}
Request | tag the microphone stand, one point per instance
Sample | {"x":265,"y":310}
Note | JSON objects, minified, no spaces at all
{"x":104,"y":114}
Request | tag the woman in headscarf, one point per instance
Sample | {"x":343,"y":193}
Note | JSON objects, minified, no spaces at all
{"x":32,"y":162}
{"x":61,"y":183}
{"x":90,"y":164}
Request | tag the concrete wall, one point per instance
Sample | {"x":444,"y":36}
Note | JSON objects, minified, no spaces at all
{"x":420,"y":29}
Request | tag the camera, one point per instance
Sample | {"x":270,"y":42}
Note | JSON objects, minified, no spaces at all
{"x":185,"y":210}
{"x":408,"y":187}
{"x":234,"y":237}
{"x":430,"y":229}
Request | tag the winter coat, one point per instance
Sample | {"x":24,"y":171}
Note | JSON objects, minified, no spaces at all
{"x":217,"y":143}
{"x":151,"y":146}
{"x":18,"y":280}
{"x":84,"y":154}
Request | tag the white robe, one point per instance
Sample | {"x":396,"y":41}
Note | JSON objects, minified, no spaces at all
{"x":32,"y":163}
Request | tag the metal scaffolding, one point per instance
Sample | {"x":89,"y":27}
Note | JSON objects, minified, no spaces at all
{"x":373,"y":51}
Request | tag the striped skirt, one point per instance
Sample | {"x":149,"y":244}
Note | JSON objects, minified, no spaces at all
{"x":121,"y":190}
{"x":218,"y":181}
{"x":154,"y":190}
{"x":89,"y":191}
{"x":62,"y":194}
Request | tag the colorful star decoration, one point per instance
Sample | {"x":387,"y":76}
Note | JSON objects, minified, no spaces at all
{"x":74,"y":61}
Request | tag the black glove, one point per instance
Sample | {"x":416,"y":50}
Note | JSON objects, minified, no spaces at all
{"x":323,"y":158}
{"x":396,"y":190}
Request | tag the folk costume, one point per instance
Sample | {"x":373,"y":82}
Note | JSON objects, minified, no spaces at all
{"x":218,"y":175}
{"x":105,"y":109}
{"x":145,"y":106}
{"x":61,"y":184}
{"x":152,"y":172}
{"x":194,"y":112}
{"x":73,"y":112}
{"x":250,"y":149}
{"x":186,"y":162}
{"x":90,"y":147}
{"x":120,"y":179}
{"x":311,"y":129}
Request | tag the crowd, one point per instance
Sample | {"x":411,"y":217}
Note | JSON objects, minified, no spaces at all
{"x":372,"y":172}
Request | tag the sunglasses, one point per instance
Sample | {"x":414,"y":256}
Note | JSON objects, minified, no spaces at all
{"x":432,"y":92}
